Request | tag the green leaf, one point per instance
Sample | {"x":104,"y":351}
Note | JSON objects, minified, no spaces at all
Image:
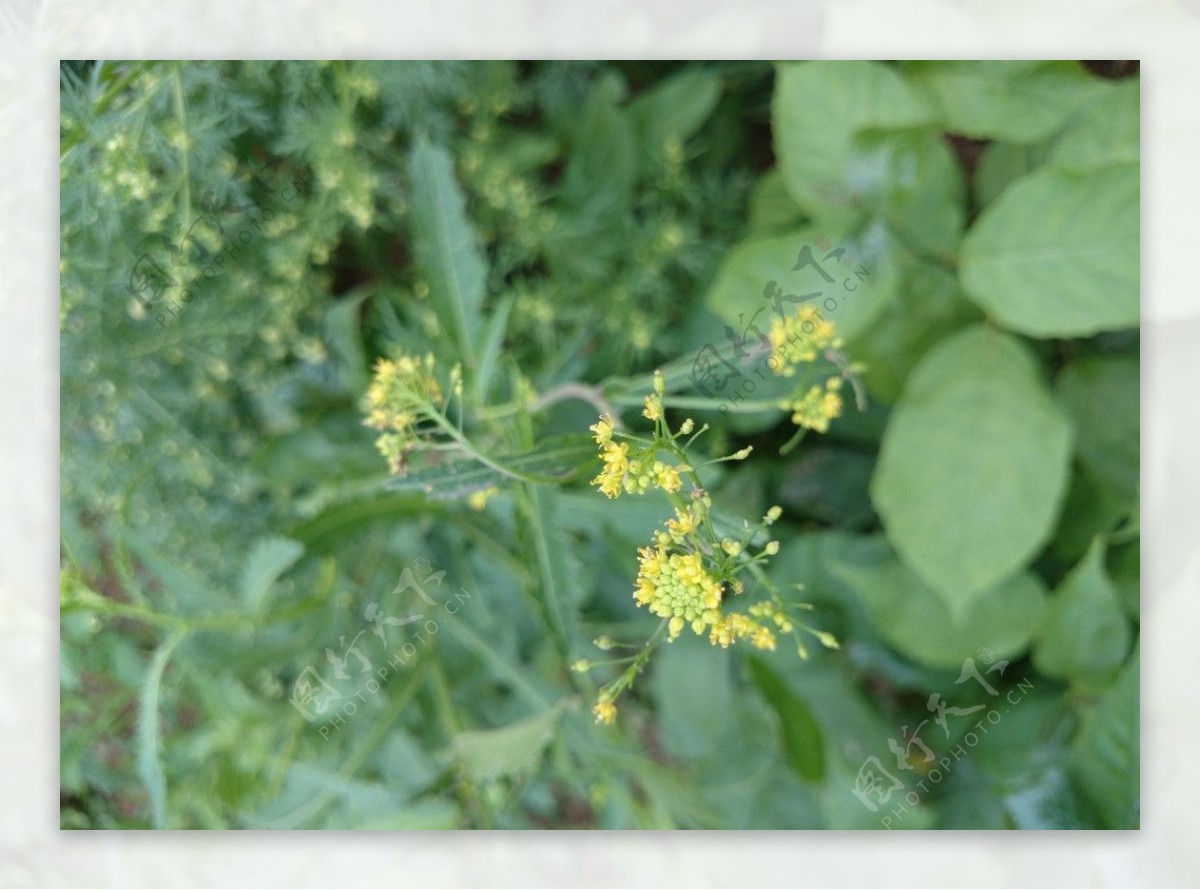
{"x":917,"y":622}
{"x":1014,"y":101}
{"x":1125,"y":568}
{"x":560,"y":457}
{"x":803,"y":743}
{"x":1084,"y":636}
{"x":334,"y":524}
{"x":912,"y":182}
{"x":1106,"y":756}
{"x":1107,"y":132}
{"x":772,"y":208}
{"x":1102,"y":396}
{"x":269,"y":559}
{"x":491,"y":346}
{"x":674,"y":109}
{"x":1089,"y":510}
{"x":343,"y":329}
{"x":973,"y":466}
{"x":447,"y":246}
{"x":149,"y":766}
{"x":514,"y":750}
{"x":603,"y":150}
{"x":1057,"y":254}
{"x":818,"y":108}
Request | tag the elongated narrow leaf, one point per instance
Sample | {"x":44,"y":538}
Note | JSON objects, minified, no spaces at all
{"x":269,"y":559}
{"x":149,"y":767}
{"x":559,"y":457}
{"x":447,"y":245}
{"x":802,"y":740}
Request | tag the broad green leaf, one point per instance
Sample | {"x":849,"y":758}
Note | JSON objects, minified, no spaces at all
{"x":558,"y":457}
{"x":973,"y":466}
{"x":447,"y":246}
{"x":490,"y":754}
{"x":1106,"y":756}
{"x":269,"y":559}
{"x":1014,"y":101}
{"x":917,"y":622}
{"x":674,"y":109}
{"x":1102,"y":396}
{"x":1084,"y":636}
{"x":817,"y":110}
{"x":1107,"y":132}
{"x":694,"y":696}
{"x":803,"y":743}
{"x":1057,"y":254}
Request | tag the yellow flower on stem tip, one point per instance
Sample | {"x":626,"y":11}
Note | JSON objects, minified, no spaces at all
{"x":654,"y":408}
{"x":605,"y":710}
{"x":818,"y":406}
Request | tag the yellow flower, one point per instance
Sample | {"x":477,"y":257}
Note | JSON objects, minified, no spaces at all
{"x":477,"y":500}
{"x":605,"y":710}
{"x":654,"y":408}
{"x":667,"y":477}
{"x":400,"y":391}
{"x":616,"y":465}
{"x":800,"y":339}
{"x":603,"y":428}
{"x":737,"y":626}
{"x":819,"y":406}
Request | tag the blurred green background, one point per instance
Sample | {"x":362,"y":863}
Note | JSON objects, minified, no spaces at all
{"x":229,"y":533}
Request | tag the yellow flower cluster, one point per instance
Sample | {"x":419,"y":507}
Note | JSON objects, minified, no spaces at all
{"x":818,"y":406}
{"x":635,"y":473}
{"x":801,"y":339}
{"x":754,"y":626}
{"x":398,"y":393}
{"x":676,"y":586}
